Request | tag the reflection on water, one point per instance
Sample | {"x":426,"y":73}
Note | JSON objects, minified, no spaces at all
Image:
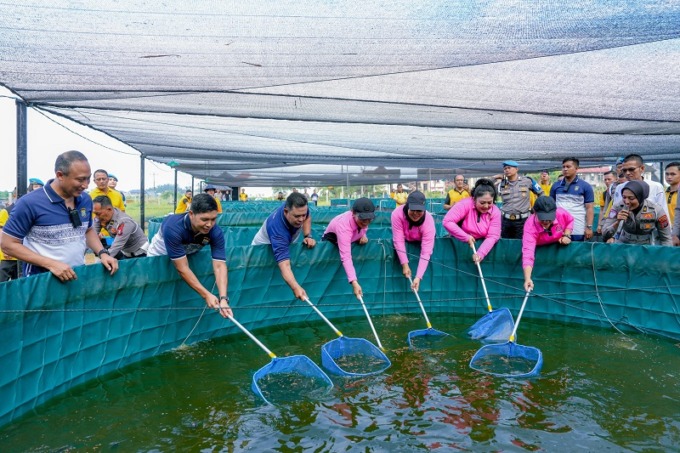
{"x":598,"y":390}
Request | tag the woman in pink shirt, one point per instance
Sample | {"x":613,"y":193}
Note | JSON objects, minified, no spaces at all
{"x":413,"y":223}
{"x":476,"y":218}
{"x":548,"y":224}
{"x":347,"y":228}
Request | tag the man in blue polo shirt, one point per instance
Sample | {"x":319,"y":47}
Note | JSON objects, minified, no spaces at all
{"x":281,"y":229}
{"x":576,"y":197}
{"x":183,"y":234}
{"x":50,"y":228}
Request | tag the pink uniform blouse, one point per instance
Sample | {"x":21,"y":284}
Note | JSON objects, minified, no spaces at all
{"x":534,"y":234}
{"x":347,"y":231}
{"x":424,"y":234}
{"x":473,"y":224}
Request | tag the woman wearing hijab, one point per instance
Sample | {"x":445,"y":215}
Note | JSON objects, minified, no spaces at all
{"x":548,"y":224}
{"x":413,"y":223}
{"x":640,"y":218}
{"x":476,"y":218}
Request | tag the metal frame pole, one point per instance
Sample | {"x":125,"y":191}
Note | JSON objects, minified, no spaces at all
{"x":22,"y":147}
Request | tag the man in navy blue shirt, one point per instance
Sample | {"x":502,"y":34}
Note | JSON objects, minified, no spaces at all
{"x":51,"y":227}
{"x":577,"y":197}
{"x":281,"y":229}
{"x":183,"y":234}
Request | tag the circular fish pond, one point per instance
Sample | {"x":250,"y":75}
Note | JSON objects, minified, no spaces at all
{"x":598,"y":390}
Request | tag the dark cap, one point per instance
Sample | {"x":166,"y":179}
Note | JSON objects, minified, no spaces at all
{"x":545,"y":171}
{"x":112,"y":176}
{"x":364,"y":209}
{"x":209,"y":188}
{"x":510,"y":163}
{"x":545,"y":208}
{"x":35,"y":181}
{"x":416,"y":201}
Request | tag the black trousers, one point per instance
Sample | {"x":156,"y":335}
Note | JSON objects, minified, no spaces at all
{"x":9,"y":270}
{"x":512,"y":229}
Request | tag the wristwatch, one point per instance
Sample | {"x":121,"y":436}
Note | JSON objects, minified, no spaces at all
{"x":308,"y":236}
{"x":224,"y":298}
{"x":589,"y":227}
{"x":102,"y":252}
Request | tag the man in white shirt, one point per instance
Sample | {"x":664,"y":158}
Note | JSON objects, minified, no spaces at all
{"x":633,"y":167}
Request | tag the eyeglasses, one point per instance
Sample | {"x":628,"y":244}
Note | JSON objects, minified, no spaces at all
{"x":629,"y":169}
{"x":75,"y":218}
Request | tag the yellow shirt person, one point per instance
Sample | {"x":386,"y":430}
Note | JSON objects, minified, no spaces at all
{"x":4,"y":215}
{"x":400,"y":196}
{"x":454,"y":196}
{"x":212,"y":191}
{"x":184,"y":203}
{"x":458,"y":192}
{"x":115,"y":197}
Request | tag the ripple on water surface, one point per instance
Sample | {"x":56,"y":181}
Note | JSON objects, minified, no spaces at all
{"x":598,"y":390}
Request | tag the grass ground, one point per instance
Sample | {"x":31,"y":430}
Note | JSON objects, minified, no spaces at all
{"x":152,"y":208}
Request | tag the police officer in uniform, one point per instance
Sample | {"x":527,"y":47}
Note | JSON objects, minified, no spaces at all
{"x":514,"y":192}
{"x":636,"y":223}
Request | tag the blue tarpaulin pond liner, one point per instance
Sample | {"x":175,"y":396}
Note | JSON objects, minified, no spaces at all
{"x":57,"y":336}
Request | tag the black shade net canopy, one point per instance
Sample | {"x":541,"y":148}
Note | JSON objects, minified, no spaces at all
{"x":321,"y":93}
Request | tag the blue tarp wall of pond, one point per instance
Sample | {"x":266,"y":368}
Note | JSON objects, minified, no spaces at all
{"x":56,"y":336}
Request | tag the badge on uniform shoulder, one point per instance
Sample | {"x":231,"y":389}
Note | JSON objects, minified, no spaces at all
{"x":83,"y":213}
{"x":663,"y":221}
{"x":120,"y":228}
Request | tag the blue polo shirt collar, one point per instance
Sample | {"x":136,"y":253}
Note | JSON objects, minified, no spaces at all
{"x":54,"y":197}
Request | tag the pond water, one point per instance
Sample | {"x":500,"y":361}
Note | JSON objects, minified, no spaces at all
{"x":598,"y":390}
